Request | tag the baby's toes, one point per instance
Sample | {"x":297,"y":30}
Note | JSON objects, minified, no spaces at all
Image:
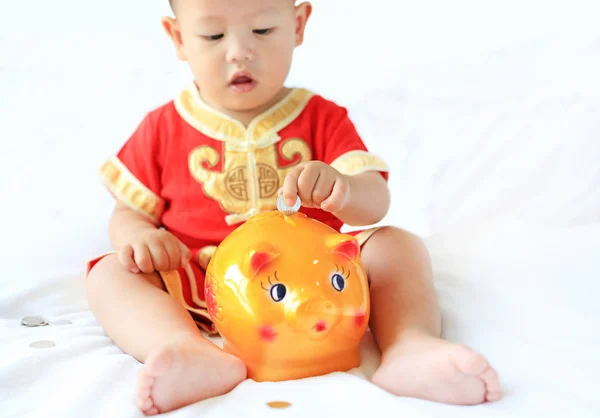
{"x":143,"y":398}
{"x":151,"y":412}
{"x":492,"y":384}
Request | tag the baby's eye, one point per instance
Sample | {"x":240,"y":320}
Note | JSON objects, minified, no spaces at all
{"x":214,"y":37}
{"x":278,"y":292}
{"x":338,"y":282}
{"x":262,"y":31}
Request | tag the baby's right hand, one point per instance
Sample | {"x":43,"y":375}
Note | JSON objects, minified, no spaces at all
{"x":154,"y":250}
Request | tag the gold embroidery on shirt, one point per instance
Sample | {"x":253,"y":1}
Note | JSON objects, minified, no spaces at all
{"x":232,"y":187}
{"x":295,"y":147}
{"x":251,"y":174}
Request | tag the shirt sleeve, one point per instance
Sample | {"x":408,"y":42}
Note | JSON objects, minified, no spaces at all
{"x":133,"y":175}
{"x":344,"y":149}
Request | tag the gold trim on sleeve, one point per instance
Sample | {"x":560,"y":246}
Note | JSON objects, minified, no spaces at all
{"x":357,"y":162}
{"x":129,"y":190}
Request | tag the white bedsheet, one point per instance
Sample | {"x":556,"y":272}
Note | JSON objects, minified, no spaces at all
{"x":527,"y":298}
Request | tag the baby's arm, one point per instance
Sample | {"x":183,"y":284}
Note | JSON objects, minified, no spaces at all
{"x":343,"y":178}
{"x":357,"y":200}
{"x":142,"y":246}
{"x":368,"y":199}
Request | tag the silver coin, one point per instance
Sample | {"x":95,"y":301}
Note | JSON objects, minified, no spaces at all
{"x":34,"y":321}
{"x":42,"y":344}
{"x":288,"y":210}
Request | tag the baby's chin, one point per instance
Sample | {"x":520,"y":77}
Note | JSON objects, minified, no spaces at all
{"x":251,"y":102}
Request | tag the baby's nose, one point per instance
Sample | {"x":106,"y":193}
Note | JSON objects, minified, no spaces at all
{"x":239,"y":50}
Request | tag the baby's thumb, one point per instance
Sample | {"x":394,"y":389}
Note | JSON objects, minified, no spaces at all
{"x":126,"y":259}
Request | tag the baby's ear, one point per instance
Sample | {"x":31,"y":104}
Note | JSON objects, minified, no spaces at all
{"x":257,"y":258}
{"x":303,"y":12}
{"x":343,"y":244}
{"x":171,"y":27}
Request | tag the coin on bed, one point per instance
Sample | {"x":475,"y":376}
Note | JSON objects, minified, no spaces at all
{"x":42,"y":344}
{"x":279,"y":404}
{"x":34,"y":321}
{"x":285,"y":209}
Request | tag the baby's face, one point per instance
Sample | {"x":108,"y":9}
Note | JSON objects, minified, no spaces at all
{"x":239,"y":51}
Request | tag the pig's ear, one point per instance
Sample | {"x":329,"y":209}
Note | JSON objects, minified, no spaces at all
{"x":257,"y":258}
{"x":344,"y":245}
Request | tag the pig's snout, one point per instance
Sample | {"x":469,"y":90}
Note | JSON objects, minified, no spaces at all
{"x":317,"y":315}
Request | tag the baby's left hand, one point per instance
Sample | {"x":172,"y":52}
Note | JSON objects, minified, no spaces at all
{"x":318,"y":185}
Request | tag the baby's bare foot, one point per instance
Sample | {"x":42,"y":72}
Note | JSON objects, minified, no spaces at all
{"x":186,"y":371}
{"x":429,"y":368}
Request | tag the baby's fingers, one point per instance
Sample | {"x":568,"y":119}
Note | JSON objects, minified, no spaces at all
{"x":290,"y":185}
{"x":126,"y":259}
{"x":142,"y":258}
{"x":186,"y":255}
{"x":338,"y":198}
{"x":173,"y":254}
{"x":160,"y":256}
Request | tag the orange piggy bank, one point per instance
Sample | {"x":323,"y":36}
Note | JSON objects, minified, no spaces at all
{"x":289,"y":296}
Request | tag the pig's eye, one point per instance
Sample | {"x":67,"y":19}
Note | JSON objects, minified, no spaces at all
{"x":338,"y":282}
{"x":278,"y":292}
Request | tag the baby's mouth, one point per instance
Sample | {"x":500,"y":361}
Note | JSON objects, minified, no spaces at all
{"x":242,"y":83}
{"x":241,"y":79}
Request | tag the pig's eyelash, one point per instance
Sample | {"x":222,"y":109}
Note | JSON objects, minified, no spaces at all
{"x":337,"y":270}
{"x":271,"y":283}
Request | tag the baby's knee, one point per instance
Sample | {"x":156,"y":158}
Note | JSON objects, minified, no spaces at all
{"x":389,"y":246}
{"x":391,"y":238}
{"x":395,"y":233}
{"x":108,"y":275}
{"x":102,"y":270}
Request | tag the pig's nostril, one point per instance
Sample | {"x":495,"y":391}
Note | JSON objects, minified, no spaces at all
{"x":320,"y":326}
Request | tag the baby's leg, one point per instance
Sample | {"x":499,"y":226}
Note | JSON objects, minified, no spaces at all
{"x":405,"y":321}
{"x":181,"y":367}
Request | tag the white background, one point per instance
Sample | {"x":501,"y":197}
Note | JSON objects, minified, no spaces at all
{"x":464,"y":99}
